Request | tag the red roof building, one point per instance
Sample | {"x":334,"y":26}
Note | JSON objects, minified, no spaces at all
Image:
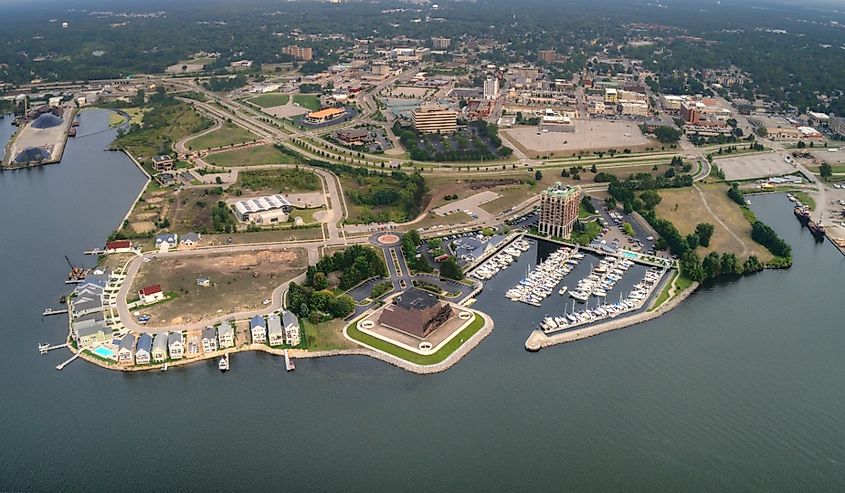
{"x":150,"y":290}
{"x":119,"y":245}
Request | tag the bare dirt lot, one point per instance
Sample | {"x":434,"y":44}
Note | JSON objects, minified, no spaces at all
{"x":745,"y":167}
{"x":589,"y":136}
{"x":285,"y":111}
{"x":239,"y":282}
{"x":685,"y":207}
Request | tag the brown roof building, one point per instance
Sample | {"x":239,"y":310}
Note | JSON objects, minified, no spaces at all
{"x":416,"y":313}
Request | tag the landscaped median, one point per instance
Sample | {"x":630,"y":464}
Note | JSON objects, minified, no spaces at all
{"x":440,"y":356}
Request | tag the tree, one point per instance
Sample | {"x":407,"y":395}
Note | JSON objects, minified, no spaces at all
{"x":712,"y":265}
{"x":610,"y":203}
{"x":667,"y":135}
{"x":704,"y":232}
{"x":450,"y":269}
{"x":538,"y":175}
{"x":691,"y":266}
{"x":801,"y":144}
{"x":692,"y":241}
{"x":650,"y":199}
{"x":587,"y":204}
{"x":826,"y":170}
{"x":320,"y":281}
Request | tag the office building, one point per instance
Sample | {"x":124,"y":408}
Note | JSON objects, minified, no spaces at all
{"x":435,"y":119}
{"x":491,"y":88}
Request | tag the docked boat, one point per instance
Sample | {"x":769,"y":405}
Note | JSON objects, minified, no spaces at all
{"x":562,"y":290}
{"x":223,"y":364}
{"x":816,"y":228}
{"x":802,"y":213}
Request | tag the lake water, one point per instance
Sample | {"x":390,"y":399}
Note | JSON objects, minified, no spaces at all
{"x":740,"y":388}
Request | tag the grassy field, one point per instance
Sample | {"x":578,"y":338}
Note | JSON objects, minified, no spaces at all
{"x":585,"y":237}
{"x":135,"y":116}
{"x":685,"y":207}
{"x":161,"y":127}
{"x":325,"y":336}
{"x":449,"y":348}
{"x":280,"y":180}
{"x":227,"y":135}
{"x":264,"y":154}
{"x":239,"y":282}
{"x":307,"y":215}
{"x":310,"y":101}
{"x":269,"y":100}
{"x":805,"y":198}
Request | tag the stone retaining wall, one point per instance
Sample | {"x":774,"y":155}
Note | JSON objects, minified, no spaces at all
{"x":538,"y":340}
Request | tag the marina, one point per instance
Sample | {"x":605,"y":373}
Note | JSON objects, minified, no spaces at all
{"x":541,"y":282}
{"x":501,"y":260}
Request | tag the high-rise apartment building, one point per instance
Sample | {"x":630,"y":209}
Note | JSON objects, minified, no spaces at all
{"x":559,"y":205}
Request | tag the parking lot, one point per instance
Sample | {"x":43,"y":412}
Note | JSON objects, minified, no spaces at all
{"x":749,"y":166}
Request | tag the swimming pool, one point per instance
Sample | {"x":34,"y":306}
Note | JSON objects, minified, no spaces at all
{"x":104,"y":352}
{"x":630,"y":255}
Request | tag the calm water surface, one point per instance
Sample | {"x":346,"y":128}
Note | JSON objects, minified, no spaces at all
{"x":740,"y":388}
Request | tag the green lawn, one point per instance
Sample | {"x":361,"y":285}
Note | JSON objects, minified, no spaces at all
{"x":282,"y":180}
{"x":269,"y":100}
{"x":229,"y":134}
{"x":307,"y":215}
{"x":265,"y":154}
{"x":805,"y":198}
{"x":162,"y":125}
{"x":410,"y":356}
{"x":664,"y":294}
{"x":310,"y":101}
{"x":585,"y":237}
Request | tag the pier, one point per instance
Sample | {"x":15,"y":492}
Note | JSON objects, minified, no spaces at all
{"x":43,"y":348}
{"x":289,"y":366}
{"x":53,"y":311}
{"x":61,"y":366}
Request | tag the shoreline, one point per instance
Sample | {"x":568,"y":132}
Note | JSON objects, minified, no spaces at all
{"x":444,"y":365}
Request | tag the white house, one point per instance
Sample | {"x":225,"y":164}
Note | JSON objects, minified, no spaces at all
{"x":258,"y":329}
{"x":226,"y":335}
{"x":151,"y":294}
{"x":175,"y":345}
{"x":209,"y":340}
{"x":291,"y":325}
{"x":275,"y":333}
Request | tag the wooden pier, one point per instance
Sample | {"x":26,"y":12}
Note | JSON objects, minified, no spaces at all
{"x":289,"y":366}
{"x":53,"y":311}
{"x":61,"y":366}
{"x":43,"y":348}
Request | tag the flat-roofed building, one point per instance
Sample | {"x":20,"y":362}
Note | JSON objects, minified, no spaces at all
{"x":837,"y":125}
{"x":434,"y":119}
{"x":559,"y":205}
{"x":690,"y":112}
{"x":671,"y":102}
{"x":611,"y":95}
{"x":324,"y":115}
{"x":440,"y":42}
{"x":547,"y":56}
{"x":263,"y":210}
{"x":491,"y":88}
{"x":299,"y":52}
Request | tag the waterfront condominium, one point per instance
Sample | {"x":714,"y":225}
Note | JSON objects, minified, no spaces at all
{"x":559,"y":205}
{"x":434,"y":119}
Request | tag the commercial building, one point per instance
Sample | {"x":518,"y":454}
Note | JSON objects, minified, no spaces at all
{"x":837,"y":125}
{"x":555,"y":122}
{"x":298,"y":52}
{"x":325,"y":115}
{"x":547,"y":56}
{"x":611,"y":95}
{"x":263,"y":210}
{"x":690,"y":112}
{"x":354,"y":136}
{"x":435,"y":119}
{"x":818,"y":119}
{"x":671,"y":102}
{"x":794,"y":133}
{"x":559,"y":205}
{"x":416,"y":313}
{"x":491,"y":88}
{"x":636,"y":108}
{"x":440,"y":43}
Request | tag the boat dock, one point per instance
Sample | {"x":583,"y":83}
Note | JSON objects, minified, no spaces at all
{"x":44,"y":347}
{"x":61,"y":366}
{"x":53,"y":311}
{"x":289,"y":366}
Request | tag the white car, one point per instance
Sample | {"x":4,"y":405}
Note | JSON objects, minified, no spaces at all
{"x":650,"y":238}
{"x":266,"y":302}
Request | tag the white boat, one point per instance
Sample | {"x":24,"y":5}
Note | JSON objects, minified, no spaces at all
{"x":562,"y":290}
{"x":223,"y":364}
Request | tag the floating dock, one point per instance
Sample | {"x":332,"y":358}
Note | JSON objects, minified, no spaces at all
{"x":44,"y":347}
{"x":53,"y":311}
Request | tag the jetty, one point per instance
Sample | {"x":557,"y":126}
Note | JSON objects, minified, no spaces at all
{"x":53,"y":311}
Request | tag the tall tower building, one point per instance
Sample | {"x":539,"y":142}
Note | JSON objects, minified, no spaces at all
{"x":559,"y":205}
{"x":491,"y":88}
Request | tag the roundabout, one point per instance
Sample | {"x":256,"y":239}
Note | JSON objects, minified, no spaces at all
{"x":387,"y":239}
